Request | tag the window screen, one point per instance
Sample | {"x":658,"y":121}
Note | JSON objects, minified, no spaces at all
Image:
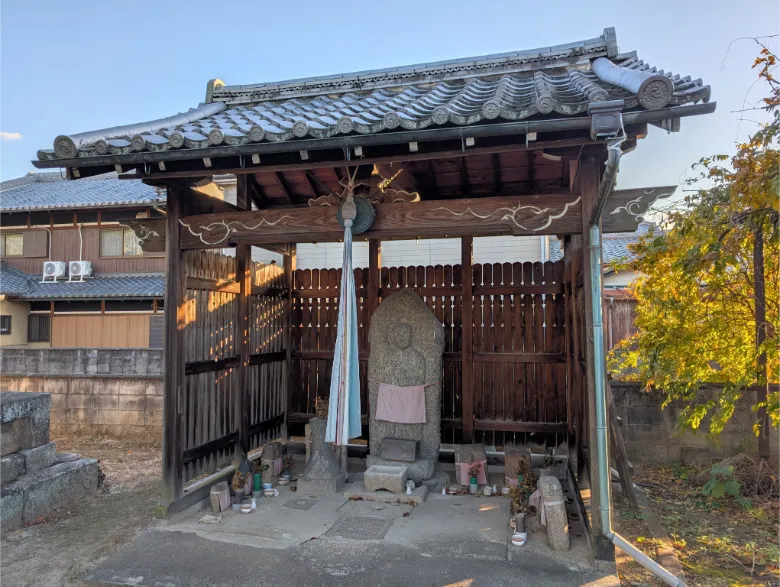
{"x":5,"y":325}
{"x":156,"y":332}
{"x":38,"y":328}
{"x":12,"y":245}
{"x":111,"y":243}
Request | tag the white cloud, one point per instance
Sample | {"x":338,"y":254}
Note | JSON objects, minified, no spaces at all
{"x":10,"y":136}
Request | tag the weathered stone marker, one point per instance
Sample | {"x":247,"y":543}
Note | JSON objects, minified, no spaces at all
{"x":35,"y":478}
{"x":323,"y":472}
{"x":555,"y":512}
{"x":407,"y":342}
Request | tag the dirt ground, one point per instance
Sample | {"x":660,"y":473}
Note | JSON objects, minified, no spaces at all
{"x":64,"y":545}
{"x":718,"y":542}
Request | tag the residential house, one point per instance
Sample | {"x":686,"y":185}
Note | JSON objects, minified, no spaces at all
{"x":100,"y":289}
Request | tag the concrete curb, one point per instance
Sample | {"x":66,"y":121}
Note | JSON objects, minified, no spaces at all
{"x":666,"y":555}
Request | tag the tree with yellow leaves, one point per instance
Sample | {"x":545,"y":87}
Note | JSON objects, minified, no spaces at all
{"x":707,"y":300}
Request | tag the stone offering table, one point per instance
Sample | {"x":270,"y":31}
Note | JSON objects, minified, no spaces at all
{"x":35,"y":478}
{"x":407,"y":342}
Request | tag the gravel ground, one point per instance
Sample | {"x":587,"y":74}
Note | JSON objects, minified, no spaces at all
{"x":66,"y":544}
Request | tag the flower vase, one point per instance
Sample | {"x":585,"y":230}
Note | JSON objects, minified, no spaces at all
{"x":520,"y":523}
{"x":473,"y":486}
{"x":257,"y":483}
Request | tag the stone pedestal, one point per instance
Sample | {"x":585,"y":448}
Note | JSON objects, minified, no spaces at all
{"x":323,"y":473}
{"x":555,"y":512}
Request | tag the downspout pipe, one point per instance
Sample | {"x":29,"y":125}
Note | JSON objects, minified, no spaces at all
{"x":599,"y":367}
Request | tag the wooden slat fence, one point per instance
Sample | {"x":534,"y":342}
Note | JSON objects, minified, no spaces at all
{"x":519,"y":314}
{"x":209,"y":414}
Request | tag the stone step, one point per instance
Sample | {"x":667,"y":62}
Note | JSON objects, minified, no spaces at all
{"x":35,"y":494}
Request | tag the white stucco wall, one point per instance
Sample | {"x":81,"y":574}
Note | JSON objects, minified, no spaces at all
{"x":18,"y":311}
{"x":620,"y":279}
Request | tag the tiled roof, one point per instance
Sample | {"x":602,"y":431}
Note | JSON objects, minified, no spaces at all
{"x":49,"y":191}
{"x":121,"y":285}
{"x":562,"y":80}
{"x":614,"y":246}
{"x":12,"y":281}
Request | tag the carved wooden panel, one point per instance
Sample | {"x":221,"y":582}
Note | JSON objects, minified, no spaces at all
{"x":519,"y":215}
{"x":625,"y":209}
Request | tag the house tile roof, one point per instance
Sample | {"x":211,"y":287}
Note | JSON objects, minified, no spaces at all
{"x":614,"y":246}
{"x":12,"y":281}
{"x":563,"y":80}
{"x":24,"y":286}
{"x":49,"y":191}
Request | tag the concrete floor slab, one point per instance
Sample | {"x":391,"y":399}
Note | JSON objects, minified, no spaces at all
{"x":178,"y":559}
{"x":300,"y":539}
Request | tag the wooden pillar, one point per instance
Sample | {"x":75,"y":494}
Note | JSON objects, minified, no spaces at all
{"x":467,"y":333}
{"x":175,"y":291}
{"x":589,"y":184}
{"x":289,"y":262}
{"x":244,"y":278}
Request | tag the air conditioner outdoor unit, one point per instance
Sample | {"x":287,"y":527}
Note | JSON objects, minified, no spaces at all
{"x":52,"y":270}
{"x":78,"y":270}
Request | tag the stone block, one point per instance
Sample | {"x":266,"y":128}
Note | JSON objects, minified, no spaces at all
{"x":130,"y":387}
{"x":39,"y":457}
{"x":272,"y":451}
{"x":78,"y":400}
{"x":11,"y":467}
{"x":399,"y":449}
{"x":555,"y":512}
{"x":24,"y":420}
{"x":418,"y":471}
{"x":57,"y":486}
{"x":11,"y":507}
{"x":391,"y":478}
{"x":470,"y":453}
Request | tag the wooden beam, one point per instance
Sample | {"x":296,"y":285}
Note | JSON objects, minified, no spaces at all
{"x":176,"y":287}
{"x":256,"y":193}
{"x":520,"y":215}
{"x":624,"y":209}
{"x":496,"y":159}
{"x":194,"y":201}
{"x":288,"y":264}
{"x":467,"y":332}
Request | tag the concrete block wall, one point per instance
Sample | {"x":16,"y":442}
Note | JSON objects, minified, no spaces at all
{"x":82,"y":362}
{"x":652,"y":436}
{"x":112,"y":392}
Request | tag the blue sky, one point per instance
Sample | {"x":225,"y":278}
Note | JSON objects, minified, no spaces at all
{"x":68,"y":67}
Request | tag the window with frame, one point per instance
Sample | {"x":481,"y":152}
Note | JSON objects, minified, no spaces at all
{"x":119,"y":242}
{"x":12,"y":244}
{"x":38,"y":328}
{"x":5,"y":325}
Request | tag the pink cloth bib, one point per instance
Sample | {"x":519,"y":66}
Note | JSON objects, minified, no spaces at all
{"x":403,"y":405}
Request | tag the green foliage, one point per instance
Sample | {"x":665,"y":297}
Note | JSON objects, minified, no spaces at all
{"x":722,"y":483}
{"x":696,"y":311}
